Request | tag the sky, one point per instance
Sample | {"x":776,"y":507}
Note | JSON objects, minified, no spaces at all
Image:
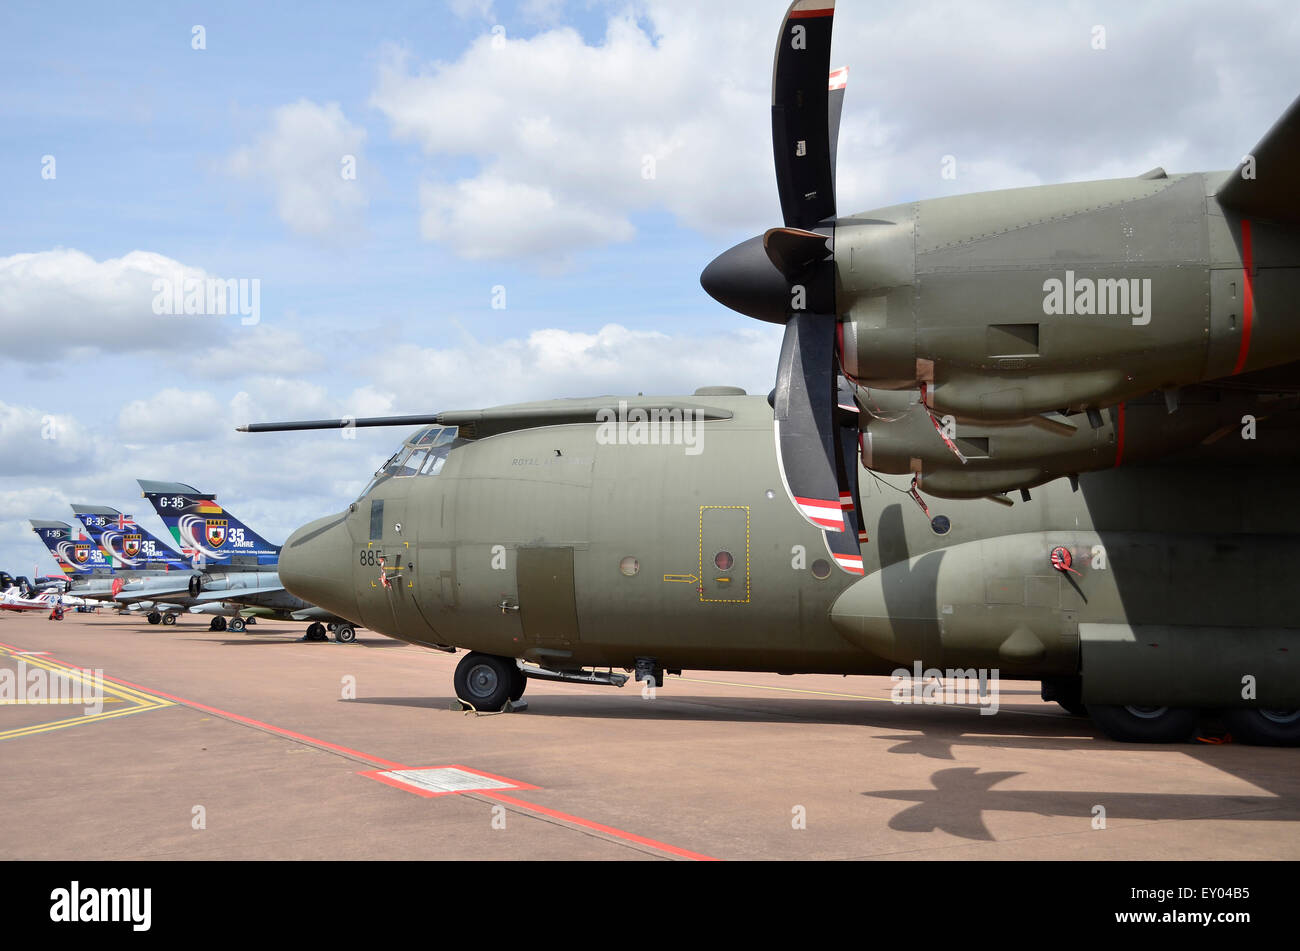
{"x":464,"y":204}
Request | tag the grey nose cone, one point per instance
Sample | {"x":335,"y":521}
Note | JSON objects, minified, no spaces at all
{"x":745,"y":279}
{"x":316,"y":565}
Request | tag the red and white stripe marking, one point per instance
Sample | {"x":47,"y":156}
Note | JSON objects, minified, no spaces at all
{"x":821,"y":512}
{"x":846,"y":501}
{"x":839,"y":77}
{"x":850,"y":563}
{"x":812,"y":8}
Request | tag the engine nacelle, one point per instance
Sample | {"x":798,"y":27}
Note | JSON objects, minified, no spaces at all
{"x":1005,"y":305}
{"x":899,"y":436}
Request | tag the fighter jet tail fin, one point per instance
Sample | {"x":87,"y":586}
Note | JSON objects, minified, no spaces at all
{"x":203,"y":527}
{"x":1265,"y":184}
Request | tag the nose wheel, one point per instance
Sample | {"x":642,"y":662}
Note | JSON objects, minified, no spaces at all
{"x":486,"y":681}
{"x":237,"y":625}
{"x":345,"y":633}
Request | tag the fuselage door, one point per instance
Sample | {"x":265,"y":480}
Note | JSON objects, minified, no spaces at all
{"x":548,"y":610}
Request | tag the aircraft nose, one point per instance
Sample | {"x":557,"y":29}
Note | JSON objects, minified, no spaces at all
{"x":745,"y":279}
{"x":316,"y":565}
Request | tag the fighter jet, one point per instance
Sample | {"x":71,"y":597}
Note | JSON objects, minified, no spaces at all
{"x":1125,"y":349}
{"x":235,"y":567}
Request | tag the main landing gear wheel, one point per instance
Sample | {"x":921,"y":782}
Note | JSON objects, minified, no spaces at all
{"x":218,"y":624}
{"x":169,"y":619}
{"x":1262,"y":727}
{"x":1139,"y":724}
{"x":345,"y":633}
{"x":520,"y":684}
{"x":154,"y":617}
{"x":485,"y":681}
{"x":237,"y":625}
{"x":1068,"y":693}
{"x":315,"y":632}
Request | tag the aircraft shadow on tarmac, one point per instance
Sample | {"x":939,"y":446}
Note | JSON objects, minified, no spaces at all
{"x":1043,"y":730}
{"x":962,"y":794}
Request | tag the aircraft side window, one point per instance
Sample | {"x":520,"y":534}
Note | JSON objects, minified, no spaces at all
{"x":400,"y":466}
{"x":433,"y":465}
{"x":376,"y":519}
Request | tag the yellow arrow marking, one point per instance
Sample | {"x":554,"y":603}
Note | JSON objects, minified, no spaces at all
{"x":684,"y":579}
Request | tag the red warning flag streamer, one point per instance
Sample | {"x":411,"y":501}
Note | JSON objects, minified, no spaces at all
{"x":916,"y":494}
{"x":938,"y":428}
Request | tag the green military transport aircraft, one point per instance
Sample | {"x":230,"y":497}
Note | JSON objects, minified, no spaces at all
{"x":1126,"y":349}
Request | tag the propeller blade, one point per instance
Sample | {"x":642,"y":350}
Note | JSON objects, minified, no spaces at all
{"x":834,"y":110}
{"x":848,"y":443}
{"x":801,"y":143}
{"x":846,"y":546}
{"x":804,"y":408}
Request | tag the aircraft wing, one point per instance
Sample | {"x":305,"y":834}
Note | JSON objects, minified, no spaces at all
{"x":480,"y":423}
{"x":236,"y":594}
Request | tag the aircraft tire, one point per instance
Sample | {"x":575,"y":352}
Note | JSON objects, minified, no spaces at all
{"x":519,"y":685}
{"x":154,"y":617}
{"x":236,"y":624}
{"x":1138,"y":724}
{"x":485,"y":681}
{"x":1068,"y":693}
{"x":345,"y":633}
{"x":219,"y":623}
{"x":169,"y":619}
{"x":1259,"y":727}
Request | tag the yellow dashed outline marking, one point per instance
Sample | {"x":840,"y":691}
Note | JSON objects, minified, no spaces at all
{"x":141,"y":701}
{"x":747,"y":565}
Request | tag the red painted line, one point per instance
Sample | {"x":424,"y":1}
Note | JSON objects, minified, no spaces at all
{"x":1248,"y":297}
{"x":325,"y":744}
{"x":1119,"y":435}
{"x":608,"y":830}
{"x":807,"y":14}
{"x":389,"y":764}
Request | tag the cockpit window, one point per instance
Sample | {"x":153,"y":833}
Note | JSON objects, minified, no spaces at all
{"x":422,"y":454}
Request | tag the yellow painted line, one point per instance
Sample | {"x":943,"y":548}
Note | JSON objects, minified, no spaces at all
{"x":113,"y":693}
{"x":64,"y":700}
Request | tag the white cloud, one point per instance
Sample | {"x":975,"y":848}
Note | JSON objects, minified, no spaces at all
{"x":170,"y":415}
{"x":565,"y":132}
{"x":301,"y":160}
{"x":257,"y":349}
{"x":558,"y":128}
{"x":489,"y":217}
{"x":106,"y":305}
{"x":472,"y":9}
{"x":552,"y":363}
{"x":36,"y":442}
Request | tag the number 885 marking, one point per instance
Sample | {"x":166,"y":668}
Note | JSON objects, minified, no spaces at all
{"x":370,"y":557}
